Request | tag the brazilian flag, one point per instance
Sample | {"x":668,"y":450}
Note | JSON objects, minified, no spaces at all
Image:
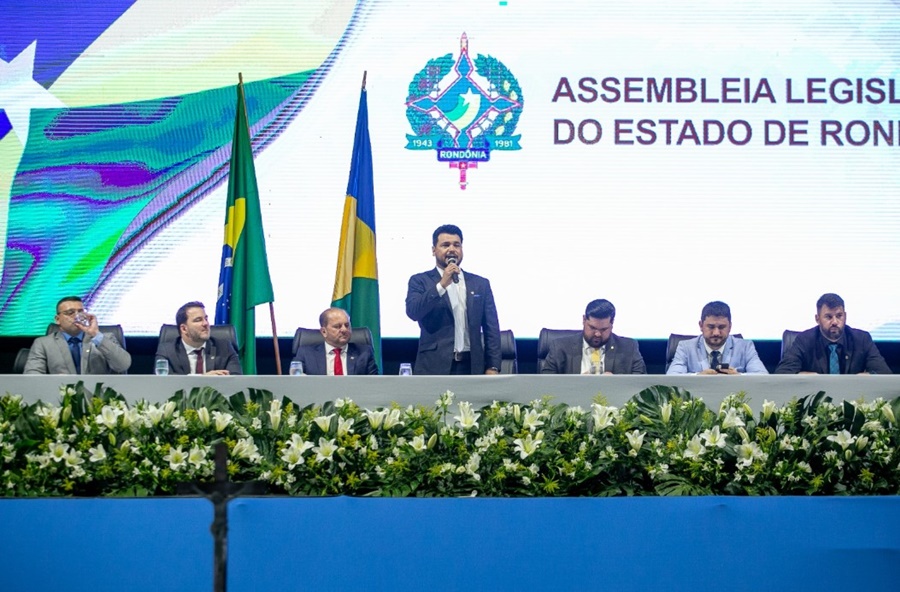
{"x":356,"y":278}
{"x":244,"y":280}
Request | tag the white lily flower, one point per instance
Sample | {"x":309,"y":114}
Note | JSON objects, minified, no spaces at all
{"x":274,"y":413}
{"x":97,"y":454}
{"x":292,"y":456}
{"x":197,"y":456}
{"x":222,"y":420}
{"x":203,"y":416}
{"x":168,"y":409}
{"x":603,"y":416}
{"x":154,"y":415}
{"x":246,"y":448}
{"x":843,"y":438}
{"x":344,"y":426}
{"x":418,"y":443}
{"x":375,"y":418}
{"x":109,"y":416}
{"x":324,"y":422}
{"x":532,"y":420}
{"x":49,"y":413}
{"x":467,"y":418}
{"x":516,"y":412}
{"x":862,"y":442}
{"x":392,"y":419}
{"x":888,"y":413}
{"x":325,"y":450}
{"x":665,"y":411}
{"x":176,"y":457}
{"x":446,"y":399}
{"x":768,"y":408}
{"x":635,"y":439}
{"x":714,"y":438}
{"x":732,"y":420}
{"x":747,"y":452}
{"x":695,"y":448}
{"x":526,"y":447}
{"x":73,"y":458}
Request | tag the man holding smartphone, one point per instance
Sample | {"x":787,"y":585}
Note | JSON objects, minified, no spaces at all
{"x":78,"y":347}
{"x":716,"y":351}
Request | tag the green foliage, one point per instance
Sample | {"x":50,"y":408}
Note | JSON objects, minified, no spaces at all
{"x":662,"y":442}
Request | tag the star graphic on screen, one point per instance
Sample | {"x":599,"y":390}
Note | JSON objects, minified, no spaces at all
{"x":19,"y":93}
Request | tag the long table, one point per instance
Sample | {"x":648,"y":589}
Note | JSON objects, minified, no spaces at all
{"x":373,"y":391}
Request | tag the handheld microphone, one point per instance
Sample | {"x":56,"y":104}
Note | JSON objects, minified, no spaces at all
{"x":455,"y":275}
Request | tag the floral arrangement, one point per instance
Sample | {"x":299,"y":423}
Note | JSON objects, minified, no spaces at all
{"x":662,"y":442}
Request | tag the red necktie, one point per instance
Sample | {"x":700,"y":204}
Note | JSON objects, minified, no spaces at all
{"x":338,"y":365}
{"x":198,"y":369}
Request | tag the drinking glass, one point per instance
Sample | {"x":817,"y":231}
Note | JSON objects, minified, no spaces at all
{"x":405,"y":369}
{"x":296,"y":368}
{"x":162,"y":367}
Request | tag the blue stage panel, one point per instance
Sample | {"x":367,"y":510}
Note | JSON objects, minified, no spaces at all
{"x":691,"y":544}
{"x":106,"y":544}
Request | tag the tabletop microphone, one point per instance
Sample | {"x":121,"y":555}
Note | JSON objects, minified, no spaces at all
{"x":455,"y":275}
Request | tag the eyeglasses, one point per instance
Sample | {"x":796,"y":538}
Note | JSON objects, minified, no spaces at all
{"x":71,"y":312}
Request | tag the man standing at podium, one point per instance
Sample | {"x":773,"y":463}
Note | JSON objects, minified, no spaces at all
{"x":832,"y":347}
{"x":336,"y":356}
{"x":596,"y":350}
{"x":455,"y":311}
{"x":78,"y":347}
{"x":194,"y":351}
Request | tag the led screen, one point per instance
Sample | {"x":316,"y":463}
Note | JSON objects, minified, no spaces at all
{"x":658,"y":154}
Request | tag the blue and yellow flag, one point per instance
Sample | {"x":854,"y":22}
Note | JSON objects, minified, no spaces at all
{"x":356,"y":279}
{"x":244,"y":280}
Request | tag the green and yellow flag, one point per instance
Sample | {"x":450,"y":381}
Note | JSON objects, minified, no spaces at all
{"x":356,"y":279}
{"x":244,"y":280}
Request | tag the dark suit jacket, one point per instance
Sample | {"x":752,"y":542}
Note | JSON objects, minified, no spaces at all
{"x":359,"y":361}
{"x":435,"y":317}
{"x":50,"y":355}
{"x":809,"y":353}
{"x":218,"y":356}
{"x":622,"y":356}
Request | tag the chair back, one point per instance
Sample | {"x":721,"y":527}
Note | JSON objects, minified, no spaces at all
{"x":221,"y":333}
{"x":21,"y":358}
{"x":672,"y":346}
{"x":116,"y":331}
{"x":508,"y":354}
{"x":544,"y":339}
{"x":361,"y":336}
{"x":787,"y":340}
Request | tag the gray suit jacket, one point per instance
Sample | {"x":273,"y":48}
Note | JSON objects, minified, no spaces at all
{"x":622,"y":356}
{"x":435,"y":317}
{"x":50,"y":355}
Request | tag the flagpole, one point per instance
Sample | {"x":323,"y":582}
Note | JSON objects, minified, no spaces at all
{"x":275,"y":339}
{"x":271,"y":305}
{"x":364,"y":79}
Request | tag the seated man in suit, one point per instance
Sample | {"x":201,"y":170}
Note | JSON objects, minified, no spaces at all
{"x":78,"y":347}
{"x":832,"y":347}
{"x":716,"y":351}
{"x":194,"y":351}
{"x":597,"y":350}
{"x":336,"y":356}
